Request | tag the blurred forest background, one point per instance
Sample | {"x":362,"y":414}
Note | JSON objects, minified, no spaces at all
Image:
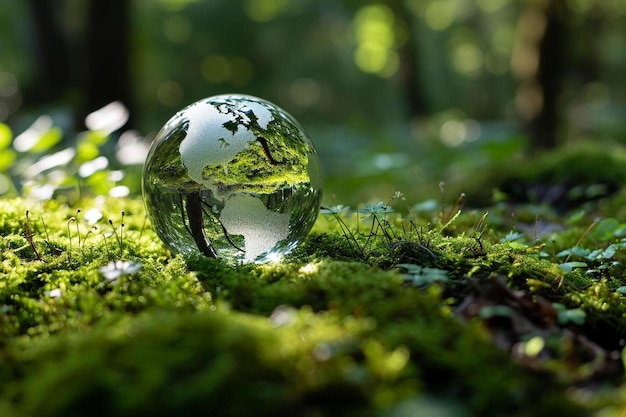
{"x":397,"y":94}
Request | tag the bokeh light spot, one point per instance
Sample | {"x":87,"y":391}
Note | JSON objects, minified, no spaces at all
{"x":371,"y":58}
{"x":5,"y":135}
{"x":375,"y":36}
{"x":264,"y":10}
{"x":491,"y":6}
{"x":452,"y":133}
{"x":177,"y":28}
{"x":216,"y":68}
{"x":304,"y":92}
{"x":176,"y":5}
{"x":529,"y":100}
{"x":467,"y":58}
{"x":8,"y":84}
{"x":170,"y":93}
{"x":241,"y":71}
{"x":374,"y":24}
{"x":579,"y":6}
{"x":108,"y":118}
{"x":457,"y":130}
{"x":5,"y":183}
{"x":439,"y":14}
{"x":496,"y":62}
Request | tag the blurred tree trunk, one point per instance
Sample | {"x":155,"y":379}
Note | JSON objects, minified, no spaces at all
{"x":551,"y":70}
{"x":408,"y":73}
{"x":51,"y":55}
{"x":107,"y":57}
{"x":556,"y":50}
{"x":94,"y":62}
{"x":409,"y":59}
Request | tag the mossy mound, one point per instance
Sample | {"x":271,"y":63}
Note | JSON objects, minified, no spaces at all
{"x":564,"y":178}
{"x":461,"y":318}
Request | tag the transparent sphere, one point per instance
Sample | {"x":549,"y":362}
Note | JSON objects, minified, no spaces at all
{"x":233,"y":177}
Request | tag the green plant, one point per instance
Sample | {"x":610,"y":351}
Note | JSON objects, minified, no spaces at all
{"x":379,"y":308}
{"x":382,"y":240}
{"x":43,"y":162}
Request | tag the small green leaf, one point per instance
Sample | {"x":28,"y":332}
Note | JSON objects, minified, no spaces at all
{"x":86,"y":151}
{"x":375,"y":210}
{"x":620,"y":231}
{"x":574,"y":251}
{"x":511,"y":236}
{"x":7,"y":157}
{"x":419,"y":276}
{"x":495,"y":311}
{"x":5,"y":135}
{"x":426,"y":206}
{"x":575,"y":316}
{"x":5,"y":184}
{"x":533,"y":346}
{"x":605,"y":229}
{"x":602,"y":254}
{"x":47,"y":140}
{"x":95,"y":137}
{"x":336,"y":209}
{"x":565,"y":316}
{"x":575,"y":217}
{"x":517,"y":245}
{"x":569,"y":266}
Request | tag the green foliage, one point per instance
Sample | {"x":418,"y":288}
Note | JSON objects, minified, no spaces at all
{"x":157,"y":334}
{"x":376,"y":311}
{"x":421,"y":276}
{"x":165,"y":363}
{"x":574,"y":316}
{"x":43,"y":164}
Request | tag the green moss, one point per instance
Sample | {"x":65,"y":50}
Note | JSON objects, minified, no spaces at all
{"x":565,"y":178}
{"x":336,"y":329}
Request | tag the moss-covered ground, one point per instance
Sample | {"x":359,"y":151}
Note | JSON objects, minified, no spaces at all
{"x":423,"y":310}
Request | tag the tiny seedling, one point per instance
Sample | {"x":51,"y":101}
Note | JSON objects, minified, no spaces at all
{"x":381,"y":233}
{"x":54,"y":251}
{"x":336,"y":212}
{"x":374,"y":211}
{"x":69,"y":236}
{"x":569,"y":316}
{"x":119,"y":237}
{"x":420,"y":276}
{"x":28,"y":234}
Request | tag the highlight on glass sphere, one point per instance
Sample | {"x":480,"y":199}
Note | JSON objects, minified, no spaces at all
{"x":233,"y":177}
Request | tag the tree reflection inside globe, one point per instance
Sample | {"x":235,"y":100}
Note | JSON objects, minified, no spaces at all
{"x":234,"y":177}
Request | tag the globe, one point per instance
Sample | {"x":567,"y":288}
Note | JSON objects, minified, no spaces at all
{"x":232,"y":177}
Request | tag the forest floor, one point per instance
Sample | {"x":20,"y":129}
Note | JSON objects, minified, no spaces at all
{"x":513,"y":307}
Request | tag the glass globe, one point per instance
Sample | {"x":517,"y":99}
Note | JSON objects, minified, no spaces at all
{"x":234,"y":177}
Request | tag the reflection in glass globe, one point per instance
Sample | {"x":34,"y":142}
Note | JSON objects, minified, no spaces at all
{"x":233,"y":177}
